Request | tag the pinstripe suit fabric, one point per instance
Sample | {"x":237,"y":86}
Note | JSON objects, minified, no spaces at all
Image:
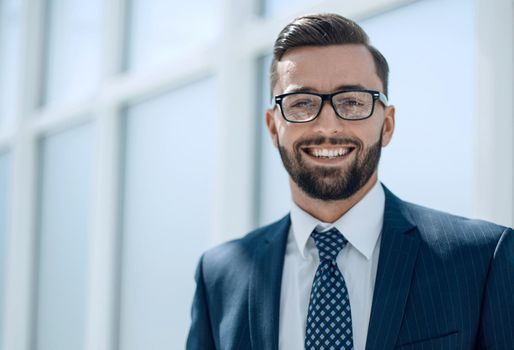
{"x":443,"y":282}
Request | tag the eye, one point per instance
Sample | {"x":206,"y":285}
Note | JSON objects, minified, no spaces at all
{"x":300,"y":101}
{"x":302,"y":104}
{"x":350,"y":102}
{"x":353,"y":100}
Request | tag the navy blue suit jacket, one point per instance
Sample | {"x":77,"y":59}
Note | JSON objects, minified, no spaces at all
{"x":443,"y":282}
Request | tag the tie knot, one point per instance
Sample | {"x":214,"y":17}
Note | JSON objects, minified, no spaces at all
{"x":329,"y":243}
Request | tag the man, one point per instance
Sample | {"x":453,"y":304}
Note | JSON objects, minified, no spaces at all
{"x":352,"y":266}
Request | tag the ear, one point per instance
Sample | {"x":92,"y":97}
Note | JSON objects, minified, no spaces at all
{"x":388,"y":129}
{"x":272,"y":126}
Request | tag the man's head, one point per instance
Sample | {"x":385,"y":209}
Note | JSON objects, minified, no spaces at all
{"x":324,"y":30}
{"x":328,"y":157}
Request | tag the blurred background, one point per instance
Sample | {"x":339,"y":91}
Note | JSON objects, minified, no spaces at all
{"x":132,"y":138}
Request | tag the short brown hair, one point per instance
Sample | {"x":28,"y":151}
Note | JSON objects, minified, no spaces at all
{"x":324,"y":30}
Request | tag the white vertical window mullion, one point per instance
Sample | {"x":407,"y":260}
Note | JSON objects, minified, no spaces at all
{"x":10,"y":52}
{"x":4,"y":226}
{"x":20,"y":249}
{"x":237,"y":91}
{"x":19,"y":273}
{"x":494,"y":111}
{"x":103,"y":259}
{"x":101,"y":267}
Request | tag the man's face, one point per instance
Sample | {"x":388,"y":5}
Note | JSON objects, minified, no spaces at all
{"x":330,"y":158}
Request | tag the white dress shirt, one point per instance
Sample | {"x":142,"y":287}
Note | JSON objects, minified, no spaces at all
{"x":358,"y":260}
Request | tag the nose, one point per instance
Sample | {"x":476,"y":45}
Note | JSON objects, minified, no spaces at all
{"x":328,"y":122}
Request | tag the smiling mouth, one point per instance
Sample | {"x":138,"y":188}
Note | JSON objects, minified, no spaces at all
{"x":328,"y":153}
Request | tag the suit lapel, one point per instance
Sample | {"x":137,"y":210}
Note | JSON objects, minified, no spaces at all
{"x":265,"y":286}
{"x":398,"y":250}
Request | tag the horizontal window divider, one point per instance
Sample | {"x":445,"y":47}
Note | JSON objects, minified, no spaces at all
{"x":137,"y":87}
{"x":44,"y":125}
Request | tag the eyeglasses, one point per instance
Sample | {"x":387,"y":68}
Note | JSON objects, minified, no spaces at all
{"x":303,"y":107}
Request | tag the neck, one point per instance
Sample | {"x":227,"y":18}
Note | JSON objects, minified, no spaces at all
{"x":329,"y":211}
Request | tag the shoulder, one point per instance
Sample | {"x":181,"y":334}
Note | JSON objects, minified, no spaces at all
{"x":442,"y":223}
{"x":451,"y":240}
{"x":445,"y":232}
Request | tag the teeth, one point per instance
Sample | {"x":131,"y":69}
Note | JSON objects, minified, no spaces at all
{"x":332,"y":153}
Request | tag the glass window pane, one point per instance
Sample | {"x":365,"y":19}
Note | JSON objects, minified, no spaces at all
{"x":64,"y":220}
{"x":9,"y":59}
{"x":74,"y":39}
{"x":4,"y":197}
{"x":274,"y":196}
{"x":431,"y":83}
{"x":160,"y":30}
{"x":167,"y":216}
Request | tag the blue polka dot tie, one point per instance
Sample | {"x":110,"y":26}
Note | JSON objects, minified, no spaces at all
{"x":329,"y":319}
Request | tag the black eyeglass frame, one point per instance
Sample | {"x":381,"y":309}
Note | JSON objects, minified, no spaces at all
{"x":376,"y":95}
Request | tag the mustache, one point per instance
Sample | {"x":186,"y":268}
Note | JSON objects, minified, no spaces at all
{"x":319,"y":140}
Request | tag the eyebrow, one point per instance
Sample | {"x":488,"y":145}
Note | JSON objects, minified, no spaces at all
{"x":341,"y":87}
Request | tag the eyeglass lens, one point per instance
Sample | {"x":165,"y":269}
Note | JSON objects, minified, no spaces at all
{"x":348,"y":105}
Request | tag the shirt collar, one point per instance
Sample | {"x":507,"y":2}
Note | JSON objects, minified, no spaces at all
{"x":361,"y":225}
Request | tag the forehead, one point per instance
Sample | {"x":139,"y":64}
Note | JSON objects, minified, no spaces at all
{"x":326,"y":68}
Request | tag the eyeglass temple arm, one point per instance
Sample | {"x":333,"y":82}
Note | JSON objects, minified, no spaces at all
{"x":383,"y":98}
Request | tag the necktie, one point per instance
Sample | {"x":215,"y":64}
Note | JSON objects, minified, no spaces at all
{"x":329,"y":319}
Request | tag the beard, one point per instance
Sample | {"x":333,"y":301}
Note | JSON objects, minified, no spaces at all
{"x":331,"y":183}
